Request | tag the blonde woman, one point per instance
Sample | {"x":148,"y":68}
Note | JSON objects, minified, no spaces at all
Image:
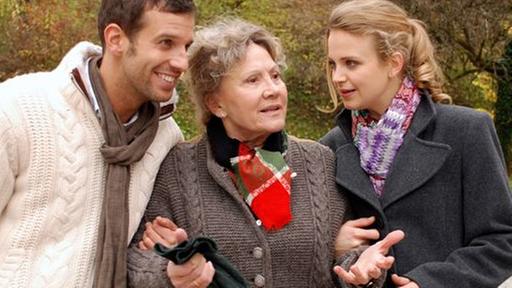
{"x":434,"y":171}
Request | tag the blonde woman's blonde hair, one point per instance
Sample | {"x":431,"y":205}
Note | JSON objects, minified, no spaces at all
{"x":216,"y":50}
{"x":393,"y":31}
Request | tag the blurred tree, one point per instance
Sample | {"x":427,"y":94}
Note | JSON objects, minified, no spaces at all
{"x":471,"y":36}
{"x":37,"y":33}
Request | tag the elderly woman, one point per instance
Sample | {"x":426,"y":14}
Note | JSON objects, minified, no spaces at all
{"x":269,"y":200}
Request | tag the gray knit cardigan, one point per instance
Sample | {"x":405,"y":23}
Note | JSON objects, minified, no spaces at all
{"x":199,"y":196}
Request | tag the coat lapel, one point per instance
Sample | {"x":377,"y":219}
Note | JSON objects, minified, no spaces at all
{"x":350,"y":175}
{"x":415,"y":163}
{"x":417,"y":159}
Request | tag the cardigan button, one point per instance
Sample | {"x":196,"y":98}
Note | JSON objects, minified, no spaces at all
{"x":258,"y":222}
{"x":257,"y":252}
{"x":259,"y":280}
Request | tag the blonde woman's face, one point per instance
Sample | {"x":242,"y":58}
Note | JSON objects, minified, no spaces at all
{"x":252,"y":97}
{"x":362,"y":80}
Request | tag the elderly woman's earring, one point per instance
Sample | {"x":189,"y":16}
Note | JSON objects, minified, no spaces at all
{"x":222,"y":114}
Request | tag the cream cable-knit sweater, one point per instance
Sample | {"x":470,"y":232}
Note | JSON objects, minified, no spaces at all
{"x":52,"y":177}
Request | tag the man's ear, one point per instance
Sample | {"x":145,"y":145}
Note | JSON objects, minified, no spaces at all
{"x":116,"y":41}
{"x":397,"y":63}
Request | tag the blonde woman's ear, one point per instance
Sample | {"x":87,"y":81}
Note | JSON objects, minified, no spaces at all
{"x":397,"y":63}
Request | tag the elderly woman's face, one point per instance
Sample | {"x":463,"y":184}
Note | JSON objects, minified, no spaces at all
{"x":252,"y":98}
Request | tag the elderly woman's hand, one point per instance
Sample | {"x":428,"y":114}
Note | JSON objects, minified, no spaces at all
{"x":195,"y":273}
{"x":353,"y":234}
{"x":372,"y":261}
{"x":163,"y":231}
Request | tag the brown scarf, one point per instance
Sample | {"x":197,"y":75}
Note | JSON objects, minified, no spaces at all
{"x":123,"y":146}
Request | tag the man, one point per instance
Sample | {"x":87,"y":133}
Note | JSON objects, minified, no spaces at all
{"x":80,"y":147}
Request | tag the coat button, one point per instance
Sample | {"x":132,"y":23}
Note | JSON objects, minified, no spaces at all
{"x":257,"y":252}
{"x":259,"y":281}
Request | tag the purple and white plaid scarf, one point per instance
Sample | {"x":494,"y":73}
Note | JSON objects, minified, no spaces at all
{"x":378,"y":142}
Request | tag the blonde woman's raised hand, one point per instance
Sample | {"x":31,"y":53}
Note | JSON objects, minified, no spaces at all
{"x":403,"y":282}
{"x":372,"y":262}
{"x":355,"y":233}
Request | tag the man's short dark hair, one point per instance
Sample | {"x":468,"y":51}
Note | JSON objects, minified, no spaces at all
{"x":127,"y":13}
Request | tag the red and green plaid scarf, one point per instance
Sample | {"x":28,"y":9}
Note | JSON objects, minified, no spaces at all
{"x":261,"y":175}
{"x":264,"y":180}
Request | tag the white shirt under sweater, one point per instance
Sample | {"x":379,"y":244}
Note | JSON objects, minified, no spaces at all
{"x":52,"y":177}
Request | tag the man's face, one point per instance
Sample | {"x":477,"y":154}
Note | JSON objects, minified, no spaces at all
{"x":156,"y":56}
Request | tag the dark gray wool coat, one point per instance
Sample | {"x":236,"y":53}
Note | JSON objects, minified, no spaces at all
{"x":198,"y":194}
{"x":447,"y":190}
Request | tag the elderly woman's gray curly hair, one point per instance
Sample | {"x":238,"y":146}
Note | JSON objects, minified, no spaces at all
{"x":216,"y":50}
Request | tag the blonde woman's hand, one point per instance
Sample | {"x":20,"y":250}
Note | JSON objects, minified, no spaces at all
{"x":195,"y":273}
{"x":372,"y":261}
{"x":354,"y":233}
{"x":403,"y":282}
{"x":164,"y":231}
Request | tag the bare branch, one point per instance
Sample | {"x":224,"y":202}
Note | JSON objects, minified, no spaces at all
{"x":465,"y":73}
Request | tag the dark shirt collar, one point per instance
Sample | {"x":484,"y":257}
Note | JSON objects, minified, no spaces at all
{"x":224,"y":148}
